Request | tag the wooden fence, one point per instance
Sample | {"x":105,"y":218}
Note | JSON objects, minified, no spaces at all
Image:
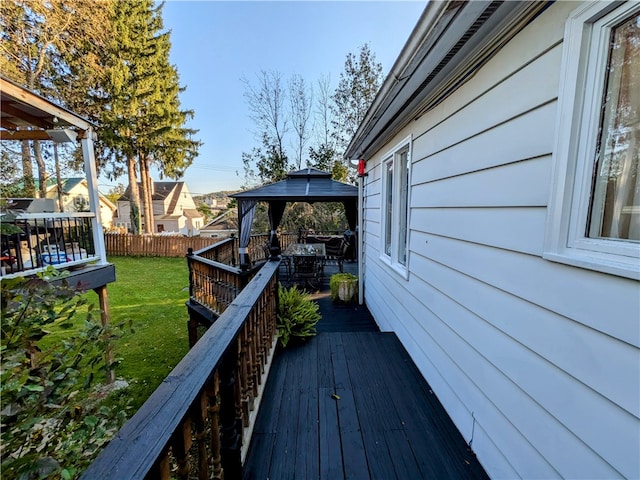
{"x":153,"y":245}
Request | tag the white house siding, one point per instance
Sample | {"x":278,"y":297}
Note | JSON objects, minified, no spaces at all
{"x":539,"y":360}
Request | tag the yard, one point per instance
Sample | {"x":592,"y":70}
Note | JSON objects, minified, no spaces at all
{"x":151,"y":292}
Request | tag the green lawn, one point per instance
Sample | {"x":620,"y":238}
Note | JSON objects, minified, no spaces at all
{"x":151,"y":292}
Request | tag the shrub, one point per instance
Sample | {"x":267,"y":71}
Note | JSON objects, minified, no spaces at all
{"x":297,"y":315}
{"x":53,"y":424}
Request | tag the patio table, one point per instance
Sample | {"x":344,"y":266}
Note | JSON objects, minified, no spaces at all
{"x":296,"y":252}
{"x":305,"y":249}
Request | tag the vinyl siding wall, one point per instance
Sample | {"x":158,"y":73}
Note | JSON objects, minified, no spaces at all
{"x":538,"y":363}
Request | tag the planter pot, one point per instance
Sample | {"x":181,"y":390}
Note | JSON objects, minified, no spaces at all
{"x":344,"y":287}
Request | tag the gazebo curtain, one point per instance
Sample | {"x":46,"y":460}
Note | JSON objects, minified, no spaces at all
{"x":246,"y":211}
{"x":276,"y":210}
{"x":351,"y":212}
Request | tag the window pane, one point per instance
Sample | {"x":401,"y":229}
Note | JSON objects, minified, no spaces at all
{"x":615,"y":202}
{"x":403,"y":172}
{"x":388,"y":206}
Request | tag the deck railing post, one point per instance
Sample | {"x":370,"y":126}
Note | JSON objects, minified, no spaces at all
{"x":230,"y":423}
{"x":192,"y":323}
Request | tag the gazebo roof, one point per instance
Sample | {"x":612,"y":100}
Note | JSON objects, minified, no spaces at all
{"x":306,"y":185}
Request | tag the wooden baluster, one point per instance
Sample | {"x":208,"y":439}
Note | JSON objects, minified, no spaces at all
{"x":248,"y":392}
{"x":230,"y":423}
{"x":192,"y":328}
{"x":243,"y":369}
{"x":213,"y":395}
{"x":200,"y":416}
{"x":181,"y":443}
{"x":161,"y":470}
{"x":254,"y":345}
{"x":259,"y":346}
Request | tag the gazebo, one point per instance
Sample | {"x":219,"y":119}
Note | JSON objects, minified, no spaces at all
{"x":307,"y":185}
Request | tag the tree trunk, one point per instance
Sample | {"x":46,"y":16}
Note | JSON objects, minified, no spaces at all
{"x":147,"y":203}
{"x":27,"y":171}
{"x":42,"y":169}
{"x":134,"y":198}
{"x":58,"y":178}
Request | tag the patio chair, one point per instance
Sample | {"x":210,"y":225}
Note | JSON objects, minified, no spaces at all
{"x":307,"y":268}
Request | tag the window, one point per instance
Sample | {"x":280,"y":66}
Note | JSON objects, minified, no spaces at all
{"x":594,"y":210}
{"x":395,"y":208}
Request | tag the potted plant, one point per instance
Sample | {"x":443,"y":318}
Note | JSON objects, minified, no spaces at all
{"x":297,"y":315}
{"x":344,"y":287}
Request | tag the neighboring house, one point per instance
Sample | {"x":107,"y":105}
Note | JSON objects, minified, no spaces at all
{"x":173,"y":209}
{"x":223,"y":226}
{"x":75,"y":198}
{"x":501,"y":228}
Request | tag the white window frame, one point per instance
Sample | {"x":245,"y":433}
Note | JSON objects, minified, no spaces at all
{"x":582,"y":77}
{"x":393,"y":260}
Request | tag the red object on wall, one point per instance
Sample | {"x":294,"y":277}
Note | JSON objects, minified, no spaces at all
{"x":361,"y":167}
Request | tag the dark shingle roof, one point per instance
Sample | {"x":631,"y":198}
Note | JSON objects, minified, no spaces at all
{"x":306,"y":185}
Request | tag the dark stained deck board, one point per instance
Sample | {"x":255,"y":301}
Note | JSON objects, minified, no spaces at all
{"x":387,"y":423}
{"x":330,"y":451}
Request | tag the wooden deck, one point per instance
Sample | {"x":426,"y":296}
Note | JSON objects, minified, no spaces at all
{"x":350,"y":403}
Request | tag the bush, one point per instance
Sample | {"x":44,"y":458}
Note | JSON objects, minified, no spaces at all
{"x":53,"y":424}
{"x":297,"y":315}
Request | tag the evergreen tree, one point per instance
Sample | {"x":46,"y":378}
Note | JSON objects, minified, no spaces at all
{"x":359,"y":83}
{"x":143,"y":122}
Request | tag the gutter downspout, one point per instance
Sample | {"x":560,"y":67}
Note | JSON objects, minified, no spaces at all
{"x":360,"y":237}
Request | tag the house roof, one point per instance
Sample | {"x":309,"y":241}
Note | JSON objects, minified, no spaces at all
{"x":69,"y":184}
{"x":192,"y":213}
{"x":306,"y":185}
{"x":450,"y":42}
{"x":224,"y":221}
{"x":161,"y":190}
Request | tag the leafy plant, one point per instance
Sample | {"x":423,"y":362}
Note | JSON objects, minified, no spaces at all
{"x":297,"y":315}
{"x":53,"y":423}
{"x":340,"y":279}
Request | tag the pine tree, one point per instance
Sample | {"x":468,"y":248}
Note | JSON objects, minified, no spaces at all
{"x":143,"y":122}
{"x":359,"y":83}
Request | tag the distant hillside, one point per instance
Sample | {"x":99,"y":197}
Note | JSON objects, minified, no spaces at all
{"x":221,"y":194}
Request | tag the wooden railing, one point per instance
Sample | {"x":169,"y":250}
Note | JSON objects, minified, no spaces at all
{"x":33,"y":241}
{"x":196,"y":423}
{"x":216,"y":279}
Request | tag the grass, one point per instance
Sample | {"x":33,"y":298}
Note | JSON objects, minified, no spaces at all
{"x":151,"y":293}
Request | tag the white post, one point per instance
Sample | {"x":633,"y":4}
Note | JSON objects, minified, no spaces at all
{"x":360,"y":240}
{"x":94,"y":199}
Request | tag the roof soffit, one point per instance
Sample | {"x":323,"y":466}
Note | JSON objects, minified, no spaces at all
{"x":462,"y":39}
{"x":25,"y":115}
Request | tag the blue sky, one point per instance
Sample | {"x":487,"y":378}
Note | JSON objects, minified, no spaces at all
{"x":215,"y":44}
